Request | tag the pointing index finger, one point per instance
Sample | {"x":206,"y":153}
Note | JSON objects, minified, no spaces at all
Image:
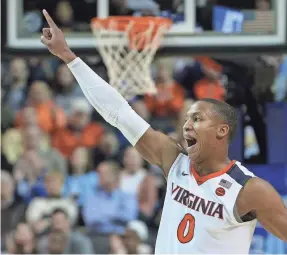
{"x":49,"y":19}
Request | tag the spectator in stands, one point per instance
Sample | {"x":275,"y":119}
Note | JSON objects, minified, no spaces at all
{"x":119,"y":7}
{"x":56,"y":243}
{"x":39,"y":69}
{"x":108,"y":209}
{"x":140,"y":108}
{"x":134,"y":7}
{"x":72,"y":242}
{"x":66,"y":89}
{"x":21,"y":240}
{"x":16,"y":84}
{"x":136,"y":181}
{"x":65,"y":16}
{"x":29,"y":116}
{"x":79,"y":183}
{"x":107,"y":149}
{"x":34,"y":163}
{"x":133,"y":241}
{"x":40,"y":209}
{"x":12,"y":207}
{"x":80,"y":132}
{"x":135,"y":238}
{"x":167,"y":103}
{"x":263,"y":5}
{"x":34,"y":140}
{"x":50,"y":117}
{"x":12,"y":140}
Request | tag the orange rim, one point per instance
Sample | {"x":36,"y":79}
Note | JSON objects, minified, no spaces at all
{"x":139,"y":26}
{"x":140,"y":23}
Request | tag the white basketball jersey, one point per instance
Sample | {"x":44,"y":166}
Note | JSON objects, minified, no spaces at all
{"x":199,"y":213}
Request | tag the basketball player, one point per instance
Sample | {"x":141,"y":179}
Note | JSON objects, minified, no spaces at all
{"x":212,"y":203}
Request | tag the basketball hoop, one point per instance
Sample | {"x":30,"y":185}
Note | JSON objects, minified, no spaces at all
{"x":127,"y":45}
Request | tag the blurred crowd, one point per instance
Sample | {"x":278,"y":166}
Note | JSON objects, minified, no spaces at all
{"x":70,"y":183}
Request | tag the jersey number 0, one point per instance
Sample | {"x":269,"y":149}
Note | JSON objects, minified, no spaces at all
{"x":185,"y":235}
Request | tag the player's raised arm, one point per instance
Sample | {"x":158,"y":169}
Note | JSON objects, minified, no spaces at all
{"x":155,"y":147}
{"x":261,"y":198}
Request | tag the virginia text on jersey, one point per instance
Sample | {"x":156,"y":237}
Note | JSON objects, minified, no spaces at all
{"x":196,"y":203}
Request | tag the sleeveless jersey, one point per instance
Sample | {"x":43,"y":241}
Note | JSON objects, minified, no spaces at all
{"x":199,"y":213}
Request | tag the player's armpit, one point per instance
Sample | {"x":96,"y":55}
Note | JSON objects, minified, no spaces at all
{"x":260,"y":197}
{"x":158,"y":149}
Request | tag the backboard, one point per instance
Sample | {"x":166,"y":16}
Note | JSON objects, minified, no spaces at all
{"x":223,"y":28}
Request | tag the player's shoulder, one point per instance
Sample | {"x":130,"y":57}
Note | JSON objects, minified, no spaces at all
{"x":181,"y":163}
{"x":182,"y":158}
{"x":239,"y":173}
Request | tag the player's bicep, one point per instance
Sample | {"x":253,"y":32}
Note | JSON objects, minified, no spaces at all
{"x":273,"y":214}
{"x":274,"y":220}
{"x":268,"y":206}
{"x":158,"y":149}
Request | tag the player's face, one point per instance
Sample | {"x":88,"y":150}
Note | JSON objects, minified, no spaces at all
{"x":200,"y":130}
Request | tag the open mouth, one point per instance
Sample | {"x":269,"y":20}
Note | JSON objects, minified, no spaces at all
{"x":190,"y":141}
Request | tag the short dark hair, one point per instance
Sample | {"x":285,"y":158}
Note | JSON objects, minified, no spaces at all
{"x":60,"y":210}
{"x":227,"y":112}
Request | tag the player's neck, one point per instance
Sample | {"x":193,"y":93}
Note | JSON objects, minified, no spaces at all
{"x":210,"y":166}
{"x":214,"y":163}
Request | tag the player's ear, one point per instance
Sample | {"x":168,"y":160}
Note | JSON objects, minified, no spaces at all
{"x":222,"y":131}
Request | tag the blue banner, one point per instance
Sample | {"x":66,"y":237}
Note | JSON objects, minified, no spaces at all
{"x":276,"y":119}
{"x":226,"y":20}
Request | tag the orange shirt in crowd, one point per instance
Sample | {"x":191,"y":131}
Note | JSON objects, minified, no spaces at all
{"x":209,"y":89}
{"x":66,"y":140}
{"x":50,"y":117}
{"x":205,"y":88}
{"x":210,"y":63}
{"x":168,"y":100}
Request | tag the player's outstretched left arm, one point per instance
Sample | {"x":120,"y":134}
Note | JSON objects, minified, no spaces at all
{"x":153,"y":146}
{"x":261,"y":198}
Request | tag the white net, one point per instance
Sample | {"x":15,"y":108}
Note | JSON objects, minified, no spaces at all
{"x":128,"y":58}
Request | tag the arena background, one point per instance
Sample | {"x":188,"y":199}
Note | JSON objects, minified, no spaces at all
{"x":231,"y":51}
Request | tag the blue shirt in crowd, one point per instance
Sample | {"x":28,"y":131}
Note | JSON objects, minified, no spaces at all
{"x":81,"y":186}
{"x":109,"y":212}
{"x":28,"y":191}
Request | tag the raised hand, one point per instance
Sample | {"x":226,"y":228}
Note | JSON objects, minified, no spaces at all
{"x":54,"y":39}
